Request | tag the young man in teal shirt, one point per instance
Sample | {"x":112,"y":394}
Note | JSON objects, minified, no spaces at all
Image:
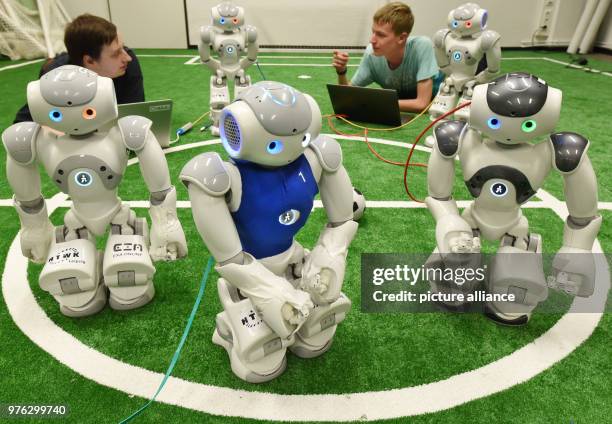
{"x":395,"y":60}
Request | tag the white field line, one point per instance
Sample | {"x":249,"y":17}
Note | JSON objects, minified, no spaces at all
{"x":525,"y":363}
{"x":19,"y":65}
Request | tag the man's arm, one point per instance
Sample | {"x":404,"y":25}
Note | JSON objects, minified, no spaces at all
{"x":340,"y":63}
{"x":422,"y":100}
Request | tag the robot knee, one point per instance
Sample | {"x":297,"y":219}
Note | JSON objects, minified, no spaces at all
{"x":518,"y":276}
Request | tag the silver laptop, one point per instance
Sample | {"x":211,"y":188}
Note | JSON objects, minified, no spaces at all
{"x":158,"y":111}
{"x":373,"y":105}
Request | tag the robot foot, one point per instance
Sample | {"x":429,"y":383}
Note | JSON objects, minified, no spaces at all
{"x":119,"y":304}
{"x":316,"y":335}
{"x":94,"y":306}
{"x":222,"y":336}
{"x":511,"y":320}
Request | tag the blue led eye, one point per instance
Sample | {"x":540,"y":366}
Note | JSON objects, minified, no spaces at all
{"x":222,"y":21}
{"x":275,"y":147}
{"x":494,"y":123}
{"x":455,"y":24}
{"x":55,"y":115}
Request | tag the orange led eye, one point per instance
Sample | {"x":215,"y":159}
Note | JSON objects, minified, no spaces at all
{"x":235,"y":20}
{"x":89,"y":113}
{"x":468,"y":24}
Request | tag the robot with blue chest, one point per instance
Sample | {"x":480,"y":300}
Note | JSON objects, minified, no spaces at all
{"x":503,"y":168}
{"x":229,"y":38}
{"x":459,"y":48}
{"x":276,"y":295}
{"x":69,"y":105}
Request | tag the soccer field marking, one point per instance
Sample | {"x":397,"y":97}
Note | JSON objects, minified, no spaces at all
{"x":19,"y":65}
{"x":525,"y":363}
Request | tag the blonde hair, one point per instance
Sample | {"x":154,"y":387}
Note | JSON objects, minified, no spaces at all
{"x":398,"y":15}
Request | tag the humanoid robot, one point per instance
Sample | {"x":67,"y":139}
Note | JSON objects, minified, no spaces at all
{"x":229,"y":38}
{"x":275,"y":294}
{"x":69,"y":104}
{"x":502,"y":169}
{"x":459,"y":49}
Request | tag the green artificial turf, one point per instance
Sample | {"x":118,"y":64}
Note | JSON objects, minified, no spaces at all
{"x":371,"y":351}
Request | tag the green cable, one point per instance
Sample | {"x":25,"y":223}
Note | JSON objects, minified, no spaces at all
{"x":177,"y":353}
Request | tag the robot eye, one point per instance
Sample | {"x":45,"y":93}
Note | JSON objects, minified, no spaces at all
{"x":306,"y":140}
{"x":275,"y":147}
{"x":55,"y":115}
{"x":468,"y":24}
{"x":235,"y":20}
{"x":89,"y":113}
{"x":222,"y":21}
{"x":494,"y":123}
{"x":529,"y":125}
{"x":455,"y":24}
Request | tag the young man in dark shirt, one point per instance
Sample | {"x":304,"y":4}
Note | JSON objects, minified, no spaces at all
{"x":93,"y":42}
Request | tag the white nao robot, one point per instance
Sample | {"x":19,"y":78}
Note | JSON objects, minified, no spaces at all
{"x":229,"y":38}
{"x":458,"y":50}
{"x":502,"y":169}
{"x":275,"y":294}
{"x":88,"y":166}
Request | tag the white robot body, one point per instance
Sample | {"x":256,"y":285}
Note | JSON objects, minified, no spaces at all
{"x":502,"y":169}
{"x":276,"y":295}
{"x":88,"y":165}
{"x":230,"y":39}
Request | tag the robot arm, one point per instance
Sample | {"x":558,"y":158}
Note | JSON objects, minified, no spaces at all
{"x":453,"y":233}
{"x":491,"y":45}
{"x":442,"y":58}
{"x":167,"y":237}
{"x":23,"y":177}
{"x":252,"y":47}
{"x":209,"y":181}
{"x":323,"y":272}
{"x":574,"y":266}
{"x":207,"y":34}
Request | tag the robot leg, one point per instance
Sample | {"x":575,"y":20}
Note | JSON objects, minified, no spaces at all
{"x":240,"y":87}
{"x":72,"y":272}
{"x":127,"y":267}
{"x":517,"y":270}
{"x":219,"y":98}
{"x":315,"y":336}
{"x":256,"y":353}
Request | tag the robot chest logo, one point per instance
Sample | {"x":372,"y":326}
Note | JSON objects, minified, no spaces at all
{"x":457,"y":56}
{"x":250,"y":320}
{"x":289,"y":217}
{"x":230,"y":49}
{"x":499,"y":189}
{"x":83,"y":178}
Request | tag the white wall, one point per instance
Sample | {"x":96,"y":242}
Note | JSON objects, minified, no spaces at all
{"x":604,"y":38}
{"x":94,"y":7}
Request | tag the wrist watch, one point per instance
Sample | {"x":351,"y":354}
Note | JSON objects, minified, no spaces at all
{"x":342,"y":72}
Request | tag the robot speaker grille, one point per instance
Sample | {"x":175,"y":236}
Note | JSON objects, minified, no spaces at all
{"x":231,"y":132}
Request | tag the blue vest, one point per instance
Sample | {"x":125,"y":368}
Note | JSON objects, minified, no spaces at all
{"x":275,"y":204}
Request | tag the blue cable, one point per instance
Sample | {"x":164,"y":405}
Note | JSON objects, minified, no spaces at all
{"x":177,"y":353}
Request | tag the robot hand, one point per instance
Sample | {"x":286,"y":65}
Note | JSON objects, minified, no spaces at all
{"x":167,"y":236}
{"x":281,"y":306}
{"x":447,"y":85}
{"x":573,"y":272}
{"x":454,"y":236}
{"x":323,"y":272}
{"x":240,"y":76}
{"x":36,"y":233}
{"x":468,"y":88}
{"x":219,"y":80}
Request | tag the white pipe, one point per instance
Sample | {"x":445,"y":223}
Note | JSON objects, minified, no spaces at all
{"x":587,"y":14}
{"x":44,"y":21}
{"x":589,"y":37}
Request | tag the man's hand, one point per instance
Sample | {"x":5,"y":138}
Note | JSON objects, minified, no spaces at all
{"x":340,"y":61}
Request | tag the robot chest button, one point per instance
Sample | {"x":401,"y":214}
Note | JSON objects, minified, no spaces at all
{"x":289,"y":217}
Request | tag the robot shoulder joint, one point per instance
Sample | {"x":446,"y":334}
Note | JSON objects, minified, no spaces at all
{"x":569,"y":148}
{"x":251,"y":33}
{"x":488,"y":39}
{"x":19,"y":140}
{"x":134,"y":130}
{"x":447,"y":136}
{"x":439,"y":36}
{"x":206,"y":34}
{"x":328,"y":152}
{"x":207,"y":172}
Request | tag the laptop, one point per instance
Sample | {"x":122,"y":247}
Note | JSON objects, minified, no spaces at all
{"x":158,"y":111}
{"x":373,"y":105}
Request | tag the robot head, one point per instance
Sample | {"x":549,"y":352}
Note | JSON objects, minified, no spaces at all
{"x":227,"y":16}
{"x":72,"y":100}
{"x":467,"y":19}
{"x":514,"y":108}
{"x":270,"y":124}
